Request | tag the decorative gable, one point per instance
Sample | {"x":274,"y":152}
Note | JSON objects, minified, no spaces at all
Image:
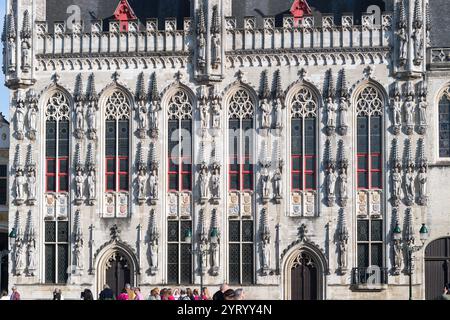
{"x":299,"y":9}
{"x":124,"y":13}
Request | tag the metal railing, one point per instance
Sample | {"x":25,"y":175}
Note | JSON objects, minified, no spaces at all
{"x":373,"y":275}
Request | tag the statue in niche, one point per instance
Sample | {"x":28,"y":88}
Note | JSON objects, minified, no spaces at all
{"x":397,"y":111}
{"x":20,"y":183}
{"x":397,"y":257}
{"x":343,"y":180}
{"x":91,"y":184}
{"x":19,"y":256}
{"x":203,"y":181}
{"x":32,"y":121}
{"x":423,"y":110}
{"x":403,"y":36}
{"x":26,"y":56}
{"x":79,"y":116}
{"x":278,"y":105}
{"x":265,"y":181}
{"x":142,"y":118}
{"x":77,"y":252}
{"x":204,"y":114}
{"x":201,"y":51}
{"x":154,"y":252}
{"x":331,"y":113}
{"x":265,"y":107}
{"x":343,"y":108}
{"x":422,"y":179}
{"x":31,"y":247}
{"x":91,"y":119}
{"x":142,"y":180}
{"x":215,"y":181}
{"x":330,"y":181}
{"x":397,"y":183}
{"x":409,"y":184}
{"x":154,"y":107}
{"x":216,"y":51}
{"x":215,"y":105}
{"x":409,"y":111}
{"x":265,"y":247}
{"x":153,"y":181}
{"x":278,"y":182}
{"x":79,"y":182}
{"x":418,"y":46}
{"x":11,"y":55}
{"x":20,"y":117}
{"x":31,"y":185}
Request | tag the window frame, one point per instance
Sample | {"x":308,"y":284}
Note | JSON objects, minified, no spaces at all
{"x":56,"y":245}
{"x":371,"y":242}
{"x":180,"y":243}
{"x":445,"y":93}
{"x":241,"y":243}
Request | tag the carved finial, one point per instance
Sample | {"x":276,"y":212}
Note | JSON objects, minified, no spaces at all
{"x":78,"y":234}
{"x":409,"y":232}
{"x":55,"y":78}
{"x":330,"y":86}
{"x":402,"y":15}
{"x":30,"y":163}
{"x":215,"y":24}
{"x":91,"y":92}
{"x":396,"y":91}
{"x":202,"y":230}
{"x":26,"y":26}
{"x":154,"y":95}
{"x":140,"y":161}
{"x":201,"y":23}
{"x":18,"y":158}
{"x":11,"y":26}
{"x":410,"y":89}
{"x":265,"y":231}
{"x":329,"y":157}
{"x":278,"y":93}
{"x":428,"y":17}
{"x":30,"y":232}
{"x":423,"y":90}
{"x":395,"y":158}
{"x":302,"y":74}
{"x":5,"y":28}
{"x":368,"y":72}
{"x":90,"y":157}
{"x":202,"y":153}
{"x":154,"y":163}
{"x":240,"y":75}
{"x":422,"y":160}
{"x":78,"y":94}
{"x":408,"y":154}
{"x":418,"y":14}
{"x":264,"y":92}
{"x":115,"y":76}
{"x":78,"y":163}
{"x":140,"y":88}
{"x":343,"y":89}
{"x":343,"y":231}
{"x":115,"y":232}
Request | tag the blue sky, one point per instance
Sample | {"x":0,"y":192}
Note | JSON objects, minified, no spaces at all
{"x":3,"y":90}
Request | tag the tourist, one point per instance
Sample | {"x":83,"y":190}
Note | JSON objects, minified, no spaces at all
{"x":446,"y":294}
{"x":4,"y":295}
{"x":123,"y":295}
{"x":176,"y":294}
{"x":183,"y":295}
{"x":15,"y":295}
{"x":195,"y":294}
{"x":154,"y":294}
{"x":205,"y":294}
{"x":87,"y":295}
{"x":239,"y":294}
{"x":219,"y":294}
{"x":130,"y":292}
{"x":137,"y":292}
{"x":106,"y":293}
{"x":229,"y":294}
{"x":189,"y":293}
{"x":57,"y":295}
{"x":169,"y":295}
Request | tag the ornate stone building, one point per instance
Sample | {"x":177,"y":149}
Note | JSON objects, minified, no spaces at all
{"x":296,"y":153}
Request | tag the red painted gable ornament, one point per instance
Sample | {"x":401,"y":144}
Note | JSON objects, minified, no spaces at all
{"x":299,"y":9}
{"x":124,"y":13}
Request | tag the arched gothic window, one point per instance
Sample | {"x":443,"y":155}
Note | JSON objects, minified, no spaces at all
{"x":57,"y":143}
{"x":303,"y":140}
{"x":117,"y":141}
{"x":241,"y":111}
{"x":369,"y":110}
{"x":179,"y":257}
{"x":444,"y":124}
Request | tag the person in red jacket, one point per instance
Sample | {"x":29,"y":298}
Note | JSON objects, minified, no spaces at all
{"x":15,"y":295}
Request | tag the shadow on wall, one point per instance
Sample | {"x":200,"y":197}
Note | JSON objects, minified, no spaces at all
{"x":280,"y":8}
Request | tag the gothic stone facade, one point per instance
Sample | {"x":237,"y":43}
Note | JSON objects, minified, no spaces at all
{"x":344,"y":138}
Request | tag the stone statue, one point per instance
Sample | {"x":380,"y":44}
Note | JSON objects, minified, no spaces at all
{"x":31,"y":185}
{"x":11,"y":55}
{"x":214,"y":255}
{"x":343,"y":108}
{"x":265,"y":181}
{"x":20,"y":182}
{"x":278,"y":113}
{"x":91,"y":119}
{"x":277,"y":178}
{"x":409,"y":111}
{"x":20,"y":117}
{"x":19,"y":256}
{"x":265,"y":107}
{"x":201,"y":50}
{"x":409,"y":184}
{"x":77,"y":253}
{"x":265,"y":246}
{"x":331,"y":113}
{"x":203,"y":182}
{"x":31,"y":257}
{"x":216,"y":51}
{"x":154,"y":254}
{"x":422,"y":178}
{"x":142,"y":118}
{"x":79,"y":116}
{"x":423,"y":110}
{"x":91,"y":184}
{"x":418,"y":46}
{"x":32,"y":120}
{"x":403,"y":45}
{"x":153,"y":181}
{"x":331,"y":182}
{"x":26,"y":56}
{"x":215,"y":105}
{"x":142,"y":180}
{"x":154,"y":107}
{"x":397,"y":183}
{"x":215,"y":182}
{"x":204,"y":115}
{"x":79,"y":182}
{"x":343,"y":263}
{"x":342,"y":187}
{"x":397,"y":256}
{"x":397,"y":111}
{"x":203,"y":256}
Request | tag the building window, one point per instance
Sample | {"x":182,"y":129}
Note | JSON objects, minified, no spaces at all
{"x":57,"y":132}
{"x":370,"y":243}
{"x":3,"y":184}
{"x":179,"y":261}
{"x":240,"y":114}
{"x":117,"y":142}
{"x":303,"y":140}
{"x":240,"y":255}
{"x":179,"y":142}
{"x":56,"y":251}
{"x":444,"y":125}
{"x":369,"y":108}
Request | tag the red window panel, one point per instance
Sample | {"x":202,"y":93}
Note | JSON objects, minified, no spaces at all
{"x":186,"y":174}
{"x":50,"y":175}
{"x":110,"y":173}
{"x":123,"y":174}
{"x":63,"y":174}
{"x":234,"y":173}
{"x":375,"y":176}
{"x":310,"y":172}
{"x":247,"y":174}
{"x":362,"y":176}
{"x":296,"y":172}
{"x":173,"y":174}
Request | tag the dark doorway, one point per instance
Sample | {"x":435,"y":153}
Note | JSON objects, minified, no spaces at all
{"x":437,"y":259}
{"x":118,"y":272}
{"x":304,"y":281}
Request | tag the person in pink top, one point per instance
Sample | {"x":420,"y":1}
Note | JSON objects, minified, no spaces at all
{"x":170,"y":295}
{"x":195,"y":294}
{"x":205,"y":294}
{"x":123,"y":295}
{"x":137,"y":292}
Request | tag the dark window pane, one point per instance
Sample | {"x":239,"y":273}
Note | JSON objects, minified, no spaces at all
{"x":248,"y":181}
{"x":186,"y":180}
{"x":296,"y":136}
{"x":363,"y":255}
{"x":111,"y":182}
{"x":63,"y":166}
{"x":50,"y":231}
{"x":310,"y":181}
{"x":444,"y":127}
{"x":363,"y":230}
{"x":123,"y":138}
{"x":173,"y":182}
{"x":234,"y":181}
{"x":63,"y":262}
{"x":186,"y":165}
{"x":50,"y":263}
{"x":377,"y":255}
{"x":51,"y":166}
{"x":123,"y":180}
{"x":185,"y":264}
{"x":51,"y":183}
{"x":297,"y":163}
{"x":172,"y":263}
{"x":362,"y":143}
{"x":375,"y":162}
{"x":50,"y":137}
{"x":247,"y":263}
{"x":123,"y":165}
{"x":186,"y":226}
{"x":173,"y":164}
{"x":377,"y":230}
{"x":375,"y":134}
{"x":296,"y":182}
{"x":63,"y":148}
{"x":310,"y":163}
{"x":172,"y":231}
{"x":3,"y":170}
{"x":363,"y":163}
{"x":3,"y":191}
{"x":63,"y":231}
{"x":362,"y":180}
{"x":234,"y":263}
{"x":63,"y":183}
{"x":247,"y":231}
{"x":110,"y":165}
{"x":310,"y":136}
{"x":376,"y":180}
{"x":234,"y":231}
{"x":110,"y":138}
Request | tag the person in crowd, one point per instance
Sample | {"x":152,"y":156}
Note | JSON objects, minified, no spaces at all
{"x":169,"y":294}
{"x":239,"y":294}
{"x":130,"y":292}
{"x":189,"y":293}
{"x":123,"y":295}
{"x":219,"y":294}
{"x":106,"y":293}
{"x":154,"y":294}
{"x":195,"y":294}
{"x":57,"y":295}
{"x":15,"y":295}
{"x":446,"y":294}
{"x":205,"y":294}
{"x":87,"y":295}
{"x":183,"y":295}
{"x":229,"y":294}
{"x":176,"y":293}
{"x":4,"y":295}
{"x":137,"y":292}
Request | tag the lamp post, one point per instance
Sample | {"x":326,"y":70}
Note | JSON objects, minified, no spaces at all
{"x":411,"y":248}
{"x":4,"y":253}
{"x":200,"y":252}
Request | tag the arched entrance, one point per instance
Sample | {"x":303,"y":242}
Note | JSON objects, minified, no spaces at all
{"x":304,"y":274}
{"x":437,"y":268}
{"x":116,"y":267}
